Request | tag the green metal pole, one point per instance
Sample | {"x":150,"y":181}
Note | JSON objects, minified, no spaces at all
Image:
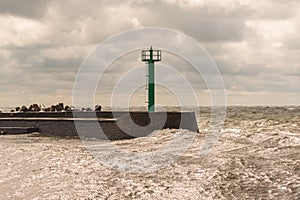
{"x":151,"y":83}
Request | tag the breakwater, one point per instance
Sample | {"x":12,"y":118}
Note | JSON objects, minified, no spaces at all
{"x":101,"y":125}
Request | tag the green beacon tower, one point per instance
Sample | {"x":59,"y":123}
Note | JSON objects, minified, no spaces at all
{"x":151,"y":56}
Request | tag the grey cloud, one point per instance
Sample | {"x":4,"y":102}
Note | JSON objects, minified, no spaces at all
{"x":200,"y":23}
{"x":224,"y":32}
{"x":232,"y":67}
{"x":28,"y":8}
{"x":276,"y":9}
{"x":262,"y":83}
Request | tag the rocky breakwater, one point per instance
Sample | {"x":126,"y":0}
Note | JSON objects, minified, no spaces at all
{"x":53,"y":108}
{"x":42,"y":108}
{"x":56,"y":120}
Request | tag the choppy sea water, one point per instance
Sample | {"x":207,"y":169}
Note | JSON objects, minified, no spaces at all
{"x":256,"y":157}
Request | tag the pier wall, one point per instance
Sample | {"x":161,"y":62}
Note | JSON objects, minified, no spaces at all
{"x":114,"y":126}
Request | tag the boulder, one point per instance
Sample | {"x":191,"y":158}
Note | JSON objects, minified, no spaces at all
{"x":61,"y":105}
{"x":36,"y":108}
{"x":24,"y":109}
{"x":98,"y":108}
{"x":67,"y":108}
{"x":18,"y":109}
{"x":52,"y":108}
{"x":58,"y":108}
{"x":30,"y":108}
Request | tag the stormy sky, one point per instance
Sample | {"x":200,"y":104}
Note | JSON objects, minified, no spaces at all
{"x":255,"y":45}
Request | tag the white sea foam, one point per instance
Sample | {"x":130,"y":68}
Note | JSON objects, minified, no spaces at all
{"x":257,"y":157}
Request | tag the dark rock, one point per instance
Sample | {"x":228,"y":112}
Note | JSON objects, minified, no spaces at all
{"x":58,"y":108}
{"x":67,"y":108}
{"x":34,"y":108}
{"x":98,"y":108}
{"x":12,"y":111}
{"x":52,"y":108}
{"x":18,"y":109}
{"x":24,"y":109}
{"x":61,"y":105}
{"x":30,"y":108}
{"x":89,"y":109}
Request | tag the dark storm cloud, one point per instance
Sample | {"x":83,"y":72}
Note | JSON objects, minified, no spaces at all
{"x":255,"y":44}
{"x":28,"y":8}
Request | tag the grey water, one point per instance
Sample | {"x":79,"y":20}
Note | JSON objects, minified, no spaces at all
{"x":255,"y":157}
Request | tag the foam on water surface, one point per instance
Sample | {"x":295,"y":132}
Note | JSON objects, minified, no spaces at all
{"x":256,"y":157}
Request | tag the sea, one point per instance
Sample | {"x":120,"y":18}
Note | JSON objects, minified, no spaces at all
{"x":255,"y":154}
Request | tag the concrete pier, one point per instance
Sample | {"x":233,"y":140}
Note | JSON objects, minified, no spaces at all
{"x":114,"y":125}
